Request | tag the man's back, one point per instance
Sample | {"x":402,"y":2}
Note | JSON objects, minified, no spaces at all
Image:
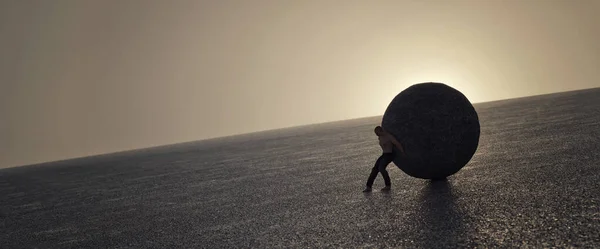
{"x":386,"y":143}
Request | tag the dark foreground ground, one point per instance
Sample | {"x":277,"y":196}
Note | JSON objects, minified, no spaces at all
{"x":534,"y":182}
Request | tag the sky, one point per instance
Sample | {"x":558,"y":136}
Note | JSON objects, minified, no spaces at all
{"x":83,"y":77}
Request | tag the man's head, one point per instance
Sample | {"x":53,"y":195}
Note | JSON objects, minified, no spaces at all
{"x":379,"y":131}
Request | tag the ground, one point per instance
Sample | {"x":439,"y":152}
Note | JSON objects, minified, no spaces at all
{"x":533,"y":182}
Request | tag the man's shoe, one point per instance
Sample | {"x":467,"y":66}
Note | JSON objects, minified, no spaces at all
{"x":367,"y":190}
{"x":386,"y":188}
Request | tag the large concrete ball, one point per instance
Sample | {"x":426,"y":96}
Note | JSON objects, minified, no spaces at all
{"x":437,"y":126}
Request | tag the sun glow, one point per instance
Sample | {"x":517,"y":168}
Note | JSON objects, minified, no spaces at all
{"x":448,"y":75}
{"x":443,"y":74}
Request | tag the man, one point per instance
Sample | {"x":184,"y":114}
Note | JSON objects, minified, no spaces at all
{"x":387,"y":142}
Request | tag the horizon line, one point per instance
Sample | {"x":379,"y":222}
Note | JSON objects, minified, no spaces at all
{"x":207,"y":139}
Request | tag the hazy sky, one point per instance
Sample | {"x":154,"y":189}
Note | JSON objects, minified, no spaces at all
{"x":89,"y":77}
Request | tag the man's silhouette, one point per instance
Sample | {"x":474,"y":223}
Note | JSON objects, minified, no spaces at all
{"x":387,"y":143}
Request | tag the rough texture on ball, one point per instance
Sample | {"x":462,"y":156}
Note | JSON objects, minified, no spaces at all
{"x":437,"y":126}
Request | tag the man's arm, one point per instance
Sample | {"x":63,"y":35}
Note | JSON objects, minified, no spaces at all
{"x":396,"y":143}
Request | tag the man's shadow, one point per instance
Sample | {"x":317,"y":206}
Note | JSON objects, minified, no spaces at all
{"x":439,"y":219}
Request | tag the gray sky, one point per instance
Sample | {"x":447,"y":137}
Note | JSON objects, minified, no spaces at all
{"x":87,"y":77}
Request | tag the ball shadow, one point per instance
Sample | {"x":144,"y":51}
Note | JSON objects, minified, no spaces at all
{"x":440,"y":219}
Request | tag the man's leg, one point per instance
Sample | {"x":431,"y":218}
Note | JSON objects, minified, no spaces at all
{"x":374,"y":172}
{"x":386,"y":159}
